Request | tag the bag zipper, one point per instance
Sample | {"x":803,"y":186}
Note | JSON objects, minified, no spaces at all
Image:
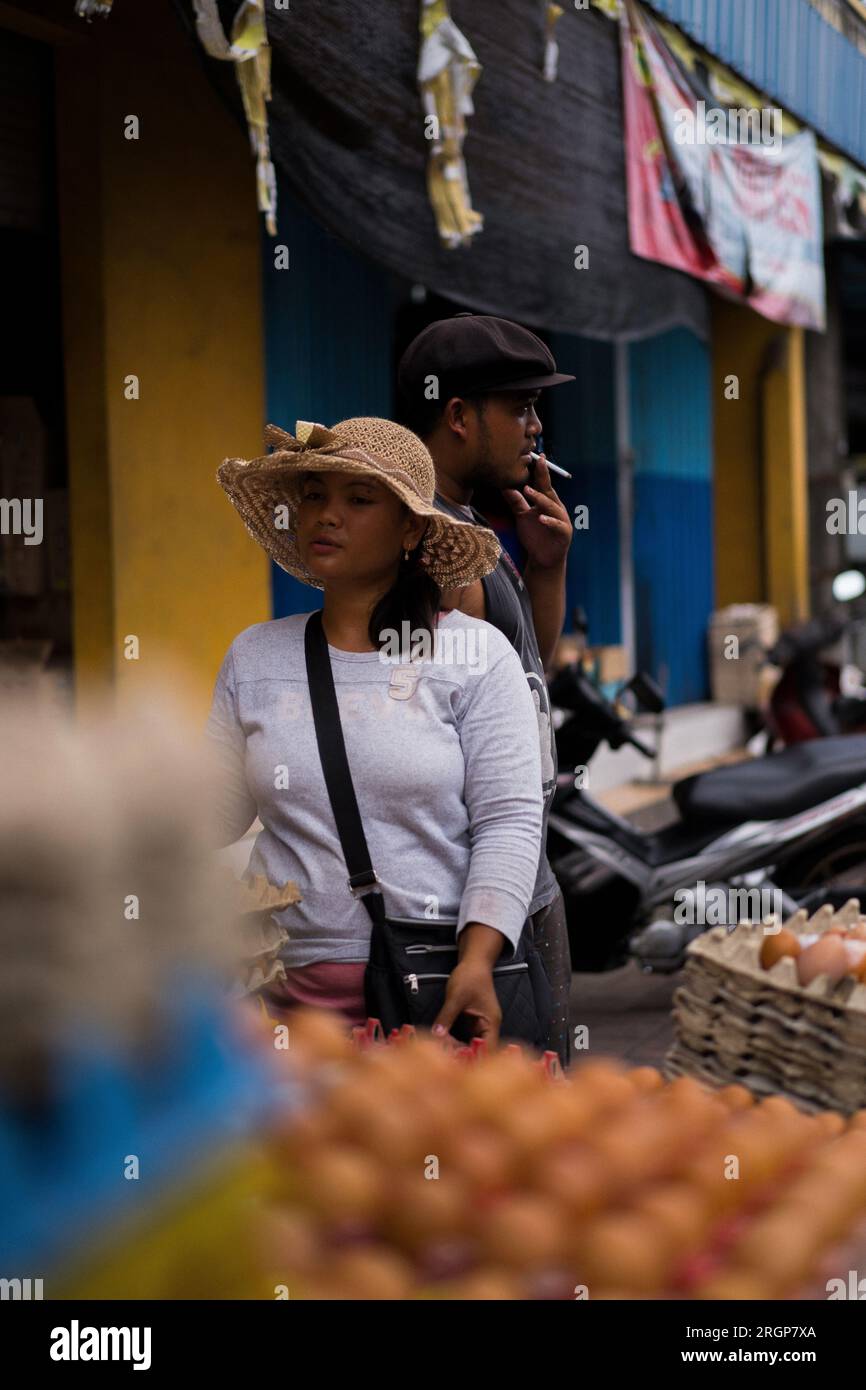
{"x":413,"y":980}
{"x":418,"y":946}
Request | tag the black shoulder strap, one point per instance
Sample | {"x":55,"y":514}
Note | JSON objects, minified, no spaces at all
{"x":335,"y":766}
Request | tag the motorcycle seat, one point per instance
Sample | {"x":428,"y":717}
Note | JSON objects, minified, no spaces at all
{"x":778,"y":785}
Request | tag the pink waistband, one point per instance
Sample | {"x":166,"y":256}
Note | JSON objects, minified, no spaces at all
{"x":337,"y":985}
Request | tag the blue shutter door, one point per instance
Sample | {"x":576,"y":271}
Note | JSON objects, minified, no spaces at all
{"x":328,"y":344}
{"x":671,"y":427}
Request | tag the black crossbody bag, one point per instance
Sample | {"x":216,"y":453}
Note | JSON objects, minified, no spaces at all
{"x":411,"y":958}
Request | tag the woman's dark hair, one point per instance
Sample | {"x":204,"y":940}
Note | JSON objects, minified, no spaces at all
{"x":413,"y":598}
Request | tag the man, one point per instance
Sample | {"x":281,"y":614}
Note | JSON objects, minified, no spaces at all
{"x":469,"y":388}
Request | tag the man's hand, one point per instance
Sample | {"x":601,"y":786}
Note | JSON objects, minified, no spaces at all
{"x":542,"y":523}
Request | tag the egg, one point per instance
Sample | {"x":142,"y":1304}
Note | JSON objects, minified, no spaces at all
{"x":317,"y":1035}
{"x":486,"y":1285}
{"x":625,"y":1251}
{"x":421,"y":1210}
{"x":735,"y":1285}
{"x":736,"y":1097}
{"x":342,"y":1183}
{"x":523,"y":1232}
{"x":646,"y":1078}
{"x":371,"y":1273}
{"x":605,"y":1083}
{"x":827,"y":957}
{"x":778,"y":1248}
{"x":480,"y":1156}
{"x":829,"y":1123}
{"x":856,"y":953}
{"x":578,"y":1180}
{"x":683,"y":1215}
{"x":773,"y":948}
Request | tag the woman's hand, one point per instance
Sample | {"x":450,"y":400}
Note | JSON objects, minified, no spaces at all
{"x":470,"y":988}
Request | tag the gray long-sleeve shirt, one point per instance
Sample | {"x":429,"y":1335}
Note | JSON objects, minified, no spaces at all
{"x":448,"y":781}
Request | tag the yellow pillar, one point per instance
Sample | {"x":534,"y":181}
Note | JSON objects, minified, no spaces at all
{"x":786,"y":491}
{"x":760,"y":476}
{"x":161,"y":283}
{"x":740,"y":339}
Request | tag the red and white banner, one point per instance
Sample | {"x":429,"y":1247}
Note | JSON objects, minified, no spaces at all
{"x":719,"y":192}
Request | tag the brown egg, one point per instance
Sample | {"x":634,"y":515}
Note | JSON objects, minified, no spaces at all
{"x":774,"y":947}
{"x":605,"y":1083}
{"x":778,"y":1248}
{"x":289,"y":1240}
{"x":637,"y":1145}
{"x":533,"y":1126}
{"x":486,"y":1285}
{"x":578,"y":1180}
{"x":856,"y":952}
{"x":393,"y":1134}
{"x":293,"y":1136}
{"x":706,"y":1175}
{"x":827,"y":957}
{"x":371,"y":1272}
{"x":491,"y":1086}
{"x":829,"y":1123}
{"x":319,"y":1035}
{"x":624,"y":1250}
{"x":646,"y":1078}
{"x":736,"y":1097}
{"x":352,"y":1102}
{"x":421,"y":1210}
{"x":761,"y":1144}
{"x":780,"y":1108}
{"x":736,"y":1285}
{"x":343,"y":1183}
{"x":682,"y":1213}
{"x":824,"y":1212}
{"x":523,"y":1232}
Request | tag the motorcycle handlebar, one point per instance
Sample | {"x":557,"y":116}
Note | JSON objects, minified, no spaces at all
{"x":641,"y":747}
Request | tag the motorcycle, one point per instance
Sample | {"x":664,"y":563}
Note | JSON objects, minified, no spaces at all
{"x":808,"y":700}
{"x":774,"y":831}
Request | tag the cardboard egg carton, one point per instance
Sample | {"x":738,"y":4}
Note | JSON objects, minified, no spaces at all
{"x":262,"y":937}
{"x":739,"y":1023}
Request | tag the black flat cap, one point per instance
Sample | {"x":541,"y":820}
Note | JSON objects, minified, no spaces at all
{"x":471,"y":354}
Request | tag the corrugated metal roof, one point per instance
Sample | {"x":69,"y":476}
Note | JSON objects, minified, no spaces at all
{"x":789,"y":51}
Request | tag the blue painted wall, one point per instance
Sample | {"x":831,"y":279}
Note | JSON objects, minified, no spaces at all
{"x":328,"y":348}
{"x":671,"y":427}
{"x":785,"y":48}
{"x":580,"y":434}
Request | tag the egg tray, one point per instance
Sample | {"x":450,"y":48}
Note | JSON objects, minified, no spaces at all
{"x":737,"y":1022}
{"x":681,"y":1061}
{"x":736,"y":1025}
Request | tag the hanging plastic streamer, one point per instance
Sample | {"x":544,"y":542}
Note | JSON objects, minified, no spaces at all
{"x":447,"y":73}
{"x":553,"y":13}
{"x":89,"y":9}
{"x":251,"y":55}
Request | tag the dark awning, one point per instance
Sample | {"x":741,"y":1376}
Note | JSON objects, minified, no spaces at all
{"x":545,"y":161}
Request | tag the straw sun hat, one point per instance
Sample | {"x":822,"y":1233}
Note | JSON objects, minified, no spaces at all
{"x":456,"y":552}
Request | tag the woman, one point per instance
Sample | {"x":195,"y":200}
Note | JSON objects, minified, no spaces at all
{"x":443,"y":749}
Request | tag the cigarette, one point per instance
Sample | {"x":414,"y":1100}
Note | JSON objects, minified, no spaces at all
{"x":554,"y":467}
